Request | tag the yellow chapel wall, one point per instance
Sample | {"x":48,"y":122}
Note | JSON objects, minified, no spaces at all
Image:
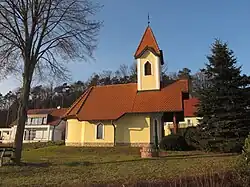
{"x":149,"y":82}
{"x":133,"y":129}
{"x":74,"y":133}
{"x":91,"y":130}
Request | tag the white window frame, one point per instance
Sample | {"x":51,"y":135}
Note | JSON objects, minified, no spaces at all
{"x":96,"y":131}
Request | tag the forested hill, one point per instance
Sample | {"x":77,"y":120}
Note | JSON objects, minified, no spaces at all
{"x":65,"y":94}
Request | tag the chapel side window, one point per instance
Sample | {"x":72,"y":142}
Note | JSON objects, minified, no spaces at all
{"x":100,"y":131}
{"x":147,"y":69}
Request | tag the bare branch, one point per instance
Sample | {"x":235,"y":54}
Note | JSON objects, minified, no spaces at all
{"x":40,"y":27}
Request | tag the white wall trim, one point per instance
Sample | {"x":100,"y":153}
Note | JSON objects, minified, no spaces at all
{"x":66,"y":130}
{"x":138,"y":74}
{"x":157,"y":72}
{"x":36,"y":126}
{"x":48,"y":129}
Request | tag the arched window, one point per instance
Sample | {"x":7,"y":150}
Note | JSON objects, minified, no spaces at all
{"x":147,"y":68}
{"x":99,"y":131}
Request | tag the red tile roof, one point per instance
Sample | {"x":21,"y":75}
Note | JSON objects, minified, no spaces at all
{"x":113,"y":101}
{"x":148,"y":41}
{"x":55,"y":114}
{"x":59,"y":112}
{"x":40,"y":111}
{"x":190,"y":107}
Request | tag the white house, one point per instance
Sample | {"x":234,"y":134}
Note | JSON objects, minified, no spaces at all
{"x":42,"y":125}
{"x":190,"y":118}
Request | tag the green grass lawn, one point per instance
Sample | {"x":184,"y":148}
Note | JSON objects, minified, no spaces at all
{"x":60,"y":165}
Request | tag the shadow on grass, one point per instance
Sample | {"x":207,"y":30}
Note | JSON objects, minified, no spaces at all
{"x":37,"y":165}
{"x":87,"y":163}
{"x":72,"y":164}
{"x":201,"y":155}
{"x":170,"y":157}
{"x":30,"y":164}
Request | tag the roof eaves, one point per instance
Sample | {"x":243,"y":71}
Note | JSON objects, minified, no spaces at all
{"x":71,"y":117}
{"x":149,"y":49}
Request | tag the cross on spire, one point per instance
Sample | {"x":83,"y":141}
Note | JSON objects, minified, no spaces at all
{"x":148,"y":19}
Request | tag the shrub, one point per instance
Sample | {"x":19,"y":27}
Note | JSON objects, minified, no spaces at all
{"x":246,"y":150}
{"x":242,"y":172}
{"x":231,"y":146}
{"x":174,"y":142}
{"x":192,"y":138}
{"x":218,"y":144}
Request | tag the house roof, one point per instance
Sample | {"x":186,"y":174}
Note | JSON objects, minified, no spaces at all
{"x":148,"y":41}
{"x":190,"y":107}
{"x":40,"y":111}
{"x":112,"y":101}
{"x":55,"y":115}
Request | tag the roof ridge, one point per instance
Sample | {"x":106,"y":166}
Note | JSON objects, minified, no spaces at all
{"x":142,"y":39}
{"x":154,"y":38}
{"x":112,"y":85}
{"x":133,"y":105}
{"x":87,"y":94}
{"x":77,"y":101}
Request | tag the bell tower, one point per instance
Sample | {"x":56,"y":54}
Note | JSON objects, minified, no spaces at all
{"x":149,"y":59}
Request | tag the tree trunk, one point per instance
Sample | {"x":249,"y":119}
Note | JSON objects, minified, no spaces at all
{"x":7,"y":119}
{"x":175,"y":124}
{"x":22,"y":115}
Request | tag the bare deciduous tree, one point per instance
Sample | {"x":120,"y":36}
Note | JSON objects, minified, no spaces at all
{"x":37,"y":36}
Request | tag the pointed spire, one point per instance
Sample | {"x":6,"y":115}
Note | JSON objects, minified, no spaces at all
{"x":148,"y":41}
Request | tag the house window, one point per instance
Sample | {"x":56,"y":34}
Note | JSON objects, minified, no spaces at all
{"x":99,"y":131}
{"x":147,"y":69}
{"x":29,"y":121}
{"x":25,"y":135}
{"x":32,"y":134}
{"x":40,"y":121}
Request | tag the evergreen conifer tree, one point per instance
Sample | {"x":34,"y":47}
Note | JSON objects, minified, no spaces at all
{"x":224,"y":102}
